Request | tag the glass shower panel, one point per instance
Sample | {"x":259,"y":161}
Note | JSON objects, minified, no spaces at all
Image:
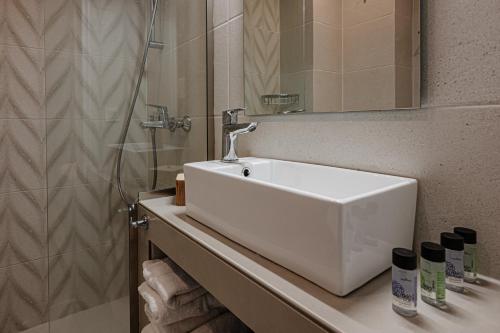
{"x":93,"y":49}
{"x":177,"y":79}
{"x":92,"y":52}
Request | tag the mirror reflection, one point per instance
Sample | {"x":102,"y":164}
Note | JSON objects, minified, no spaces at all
{"x":331,"y":55}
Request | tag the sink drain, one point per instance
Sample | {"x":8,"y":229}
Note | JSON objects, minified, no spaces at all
{"x":245,"y":172}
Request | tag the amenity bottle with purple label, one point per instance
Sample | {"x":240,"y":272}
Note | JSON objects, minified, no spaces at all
{"x":470,"y":260}
{"x":404,"y":282}
{"x":454,"y":246}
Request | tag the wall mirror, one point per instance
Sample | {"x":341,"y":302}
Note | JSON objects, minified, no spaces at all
{"x":331,"y":55}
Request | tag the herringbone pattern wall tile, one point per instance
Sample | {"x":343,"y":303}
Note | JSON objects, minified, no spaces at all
{"x":23,"y":296}
{"x":262,"y":56}
{"x":22,"y":90}
{"x":21,"y":23}
{"x":23,"y":234}
{"x":71,"y":25}
{"x":73,"y":86}
{"x":65,"y":154}
{"x":67,"y":72}
{"x":22,"y":155}
{"x":82,"y":279}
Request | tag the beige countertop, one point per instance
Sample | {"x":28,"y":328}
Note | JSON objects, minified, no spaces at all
{"x":367,"y":309}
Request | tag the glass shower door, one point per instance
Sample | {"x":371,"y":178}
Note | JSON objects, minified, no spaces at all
{"x":92,"y":51}
{"x":92,"y":54}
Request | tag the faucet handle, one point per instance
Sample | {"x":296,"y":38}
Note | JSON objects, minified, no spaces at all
{"x":230,"y":117}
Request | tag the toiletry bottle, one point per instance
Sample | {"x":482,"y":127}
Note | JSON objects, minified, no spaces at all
{"x":404,"y":282}
{"x":432,"y":274}
{"x":454,"y":246}
{"x":470,"y":259}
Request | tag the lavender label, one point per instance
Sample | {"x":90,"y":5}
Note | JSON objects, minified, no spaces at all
{"x":404,"y":287}
{"x":454,"y":266}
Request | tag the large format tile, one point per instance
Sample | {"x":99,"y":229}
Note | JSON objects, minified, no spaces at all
{"x":121,"y":30}
{"x":23,"y":296}
{"x":22,"y":147}
{"x":75,"y":282}
{"x":65,"y":153}
{"x":80,"y":217}
{"x":21,"y":23}
{"x":73,"y":86}
{"x":360,"y":11}
{"x":22,"y":92}
{"x":23,"y":227}
{"x":71,"y":26}
{"x":369,"y":45}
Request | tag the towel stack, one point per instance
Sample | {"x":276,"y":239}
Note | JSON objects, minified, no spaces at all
{"x":175,"y":303}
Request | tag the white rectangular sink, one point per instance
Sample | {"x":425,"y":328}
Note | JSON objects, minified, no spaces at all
{"x":335,"y":227}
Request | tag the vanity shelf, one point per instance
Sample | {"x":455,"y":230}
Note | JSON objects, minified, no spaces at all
{"x":269,"y":298}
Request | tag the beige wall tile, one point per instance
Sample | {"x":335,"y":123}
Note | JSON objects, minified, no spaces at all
{"x":295,"y":83}
{"x":404,"y":7}
{"x":235,"y":8}
{"x":76,"y":281}
{"x":221,"y":68}
{"x":74,"y":26}
{"x":404,"y":41}
{"x":291,"y":14}
{"x":65,"y":153}
{"x":23,"y":149}
{"x":361,"y":11}
{"x":327,"y":91}
{"x":236,"y":85}
{"x":328,"y":12}
{"x":23,"y":296}
{"x":218,"y":12}
{"x":291,"y":52}
{"x":22,"y":86}
{"x":191,"y":78}
{"x":23,"y":235}
{"x":369,"y":44}
{"x":404,"y":90}
{"x":369,"y":89}
{"x":263,"y":14}
{"x":21,"y":23}
{"x":327,"y":48}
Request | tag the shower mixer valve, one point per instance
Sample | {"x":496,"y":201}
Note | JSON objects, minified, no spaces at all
{"x":163,"y":120}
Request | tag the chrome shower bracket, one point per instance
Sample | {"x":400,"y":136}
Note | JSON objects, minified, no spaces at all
{"x":133,"y":221}
{"x":156,"y":45}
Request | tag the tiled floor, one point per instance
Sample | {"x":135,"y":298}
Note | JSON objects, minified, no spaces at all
{"x":111,"y":317}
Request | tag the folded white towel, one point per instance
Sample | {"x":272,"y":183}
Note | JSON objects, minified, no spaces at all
{"x":173,"y":285}
{"x":186,"y":325}
{"x":224,"y":323}
{"x":156,"y":309}
{"x":157,"y":313}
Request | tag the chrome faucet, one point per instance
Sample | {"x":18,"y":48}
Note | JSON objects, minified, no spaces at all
{"x":230,"y":131}
{"x":163,"y":120}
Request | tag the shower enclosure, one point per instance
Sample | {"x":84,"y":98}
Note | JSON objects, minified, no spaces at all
{"x":68,"y":73}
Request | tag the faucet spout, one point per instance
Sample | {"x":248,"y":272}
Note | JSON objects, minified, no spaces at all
{"x":231,"y":129}
{"x":243,"y":128}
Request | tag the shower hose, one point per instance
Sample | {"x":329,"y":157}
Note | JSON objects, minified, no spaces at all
{"x":123,"y":136}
